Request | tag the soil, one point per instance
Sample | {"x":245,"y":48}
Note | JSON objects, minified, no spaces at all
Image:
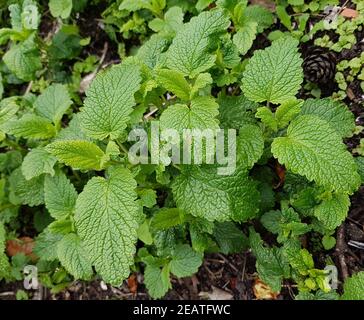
{"x":231,"y":276}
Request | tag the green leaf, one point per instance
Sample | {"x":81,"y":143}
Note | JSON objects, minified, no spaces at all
{"x":201,"y":114}
{"x":59,"y":195}
{"x":73,"y":131}
{"x":106,"y":219}
{"x":332,"y":212}
{"x":23,"y":59}
{"x":235,"y":111}
{"x":30,"y":192}
{"x":166,"y":218}
{"x":230,"y":238}
{"x":287,"y":111}
{"x":148,"y":197}
{"x":60,"y":8}
{"x":260,"y":15}
{"x":245,"y":37}
{"x":360,"y":163}
{"x":201,"y":192}
{"x":46,"y":245}
{"x":267,"y":117}
{"x":53,"y":102}
{"x":189,"y":52}
{"x":8,"y":109}
{"x":335,"y":113}
{"x":274,"y":74}
{"x":175,"y":82}
{"x":151,"y":51}
{"x":31,"y":127}
{"x":172,"y":22}
{"x":271,"y":264}
{"x":157,"y":280}
{"x":109,"y":102}
{"x":314,"y":149}
{"x":354,"y":287}
{"x":185,"y":261}
{"x":72,"y":255}
{"x":78,"y":154}
{"x":250,"y":145}
{"x":37,"y":162}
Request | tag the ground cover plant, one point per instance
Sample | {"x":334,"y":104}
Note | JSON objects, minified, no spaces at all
{"x":93,"y":205}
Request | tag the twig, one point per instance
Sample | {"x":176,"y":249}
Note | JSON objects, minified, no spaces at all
{"x":228,"y":262}
{"x":340,"y":251}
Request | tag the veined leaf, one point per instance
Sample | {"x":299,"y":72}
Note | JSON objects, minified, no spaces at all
{"x":107,"y":222}
{"x":314,"y":149}
{"x":31,"y":127}
{"x":37,"y":162}
{"x":59,"y":195}
{"x":78,"y":154}
{"x":53,"y":102}
{"x":274,"y":74}
{"x":109,"y":102}
{"x":201,"y":114}
{"x":201,"y":192}
{"x":72,"y":255}
{"x":189,"y":52}
{"x":175,"y":82}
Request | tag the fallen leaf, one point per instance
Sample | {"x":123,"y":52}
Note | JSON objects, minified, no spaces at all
{"x":281,"y":173}
{"x":349,"y":13}
{"x":23,"y":245}
{"x":263,"y":292}
{"x":216,"y":294}
{"x":133,"y":284}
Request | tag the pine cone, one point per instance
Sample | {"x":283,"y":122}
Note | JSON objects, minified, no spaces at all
{"x":319,"y":66}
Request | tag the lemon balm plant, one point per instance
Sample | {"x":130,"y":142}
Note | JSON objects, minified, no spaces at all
{"x":108,"y":217}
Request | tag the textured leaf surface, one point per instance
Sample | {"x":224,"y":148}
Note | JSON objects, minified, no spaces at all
{"x":73,"y":257}
{"x":332,"y":212}
{"x":201,"y":114}
{"x":354,"y":287}
{"x":23,"y":60}
{"x":78,"y":154}
{"x":107,"y":221}
{"x":59,"y":195}
{"x":53,"y":102}
{"x":185,"y":261}
{"x":335,"y":113}
{"x":245,"y":36}
{"x":30,"y":126}
{"x":37,"y":162}
{"x":46,"y":245}
{"x":175,"y":82}
{"x":189,"y":52}
{"x":60,"y":8}
{"x":236,"y":111}
{"x":201,"y":192}
{"x":157,"y":280}
{"x":109,"y":102}
{"x":271,"y":264}
{"x":29,"y":192}
{"x":250,"y":145}
{"x":314,"y":149}
{"x":8,"y":109}
{"x":274,"y":74}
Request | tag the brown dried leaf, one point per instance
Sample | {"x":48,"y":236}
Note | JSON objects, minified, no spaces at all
{"x":349,"y":13}
{"x":23,"y":245}
{"x":133,"y":284}
{"x":263,"y":292}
